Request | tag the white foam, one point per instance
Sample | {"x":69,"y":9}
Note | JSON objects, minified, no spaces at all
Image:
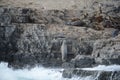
{"x":37,"y":73}
{"x":104,"y":68}
{"x":41,"y":73}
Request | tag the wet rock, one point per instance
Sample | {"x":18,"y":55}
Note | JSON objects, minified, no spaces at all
{"x":94,"y":75}
{"x":68,"y":65}
{"x":83,"y":61}
{"x":67,"y":73}
{"x":108,"y":61}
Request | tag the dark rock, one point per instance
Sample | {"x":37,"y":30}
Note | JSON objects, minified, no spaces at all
{"x":67,"y":73}
{"x":106,"y":48}
{"x":68,"y":65}
{"x":115,"y":33}
{"x":107,"y":51}
{"x":85,"y":48}
{"x":76,"y":23}
{"x":83,"y":61}
{"x":5,"y":19}
{"x":108,"y":75}
{"x":22,"y":19}
{"x":93,"y":75}
{"x":109,"y":61}
{"x":117,"y":9}
{"x":27,"y":33}
{"x":26,"y":11}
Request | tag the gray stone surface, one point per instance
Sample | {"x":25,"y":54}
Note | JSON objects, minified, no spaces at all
{"x":94,"y":75}
{"x":33,"y":35}
{"x":107,"y":51}
{"x":81,"y":61}
{"x":37,"y":35}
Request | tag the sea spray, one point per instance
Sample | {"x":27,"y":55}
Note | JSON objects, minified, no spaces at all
{"x":41,"y":73}
{"x":104,"y":68}
{"x":37,"y":73}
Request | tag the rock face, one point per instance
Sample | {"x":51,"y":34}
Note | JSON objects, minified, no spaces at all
{"x":107,"y":51}
{"x":30,"y":37}
{"x":83,"y":61}
{"x":93,"y":75}
{"x":34,"y":36}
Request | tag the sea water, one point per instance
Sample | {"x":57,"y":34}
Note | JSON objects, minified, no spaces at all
{"x":41,"y":73}
{"x":37,"y":73}
{"x":104,"y":68}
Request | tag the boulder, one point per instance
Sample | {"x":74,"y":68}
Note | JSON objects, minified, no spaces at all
{"x":107,"y":51}
{"x":68,"y":65}
{"x":81,"y":61}
{"x":93,"y":75}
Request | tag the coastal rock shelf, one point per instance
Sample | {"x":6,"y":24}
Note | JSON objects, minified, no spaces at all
{"x":100,"y":72}
{"x":30,"y":37}
{"x":33,"y":36}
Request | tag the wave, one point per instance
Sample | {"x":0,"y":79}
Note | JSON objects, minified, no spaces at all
{"x":37,"y":73}
{"x":104,"y":68}
{"x":41,"y":73}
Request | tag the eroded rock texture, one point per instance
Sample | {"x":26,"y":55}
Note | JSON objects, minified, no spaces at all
{"x":92,"y":75}
{"x":30,"y":36}
{"x":34,"y":36}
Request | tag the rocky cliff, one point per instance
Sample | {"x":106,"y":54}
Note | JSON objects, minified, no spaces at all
{"x":30,"y":37}
{"x":35,"y":36}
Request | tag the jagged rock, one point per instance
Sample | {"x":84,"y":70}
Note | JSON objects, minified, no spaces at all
{"x":34,"y":34}
{"x":76,"y":23}
{"x":67,"y":73}
{"x":5,"y":19}
{"x":107,"y":51}
{"x":106,"y":48}
{"x":94,"y":75}
{"x":106,"y":61}
{"x":68,"y":65}
{"x":86,"y":48}
{"x":83,"y":61}
{"x":115,"y":33}
{"x":22,"y":19}
{"x":42,"y":43}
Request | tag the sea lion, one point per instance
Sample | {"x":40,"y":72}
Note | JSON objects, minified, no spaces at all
{"x":64,"y":50}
